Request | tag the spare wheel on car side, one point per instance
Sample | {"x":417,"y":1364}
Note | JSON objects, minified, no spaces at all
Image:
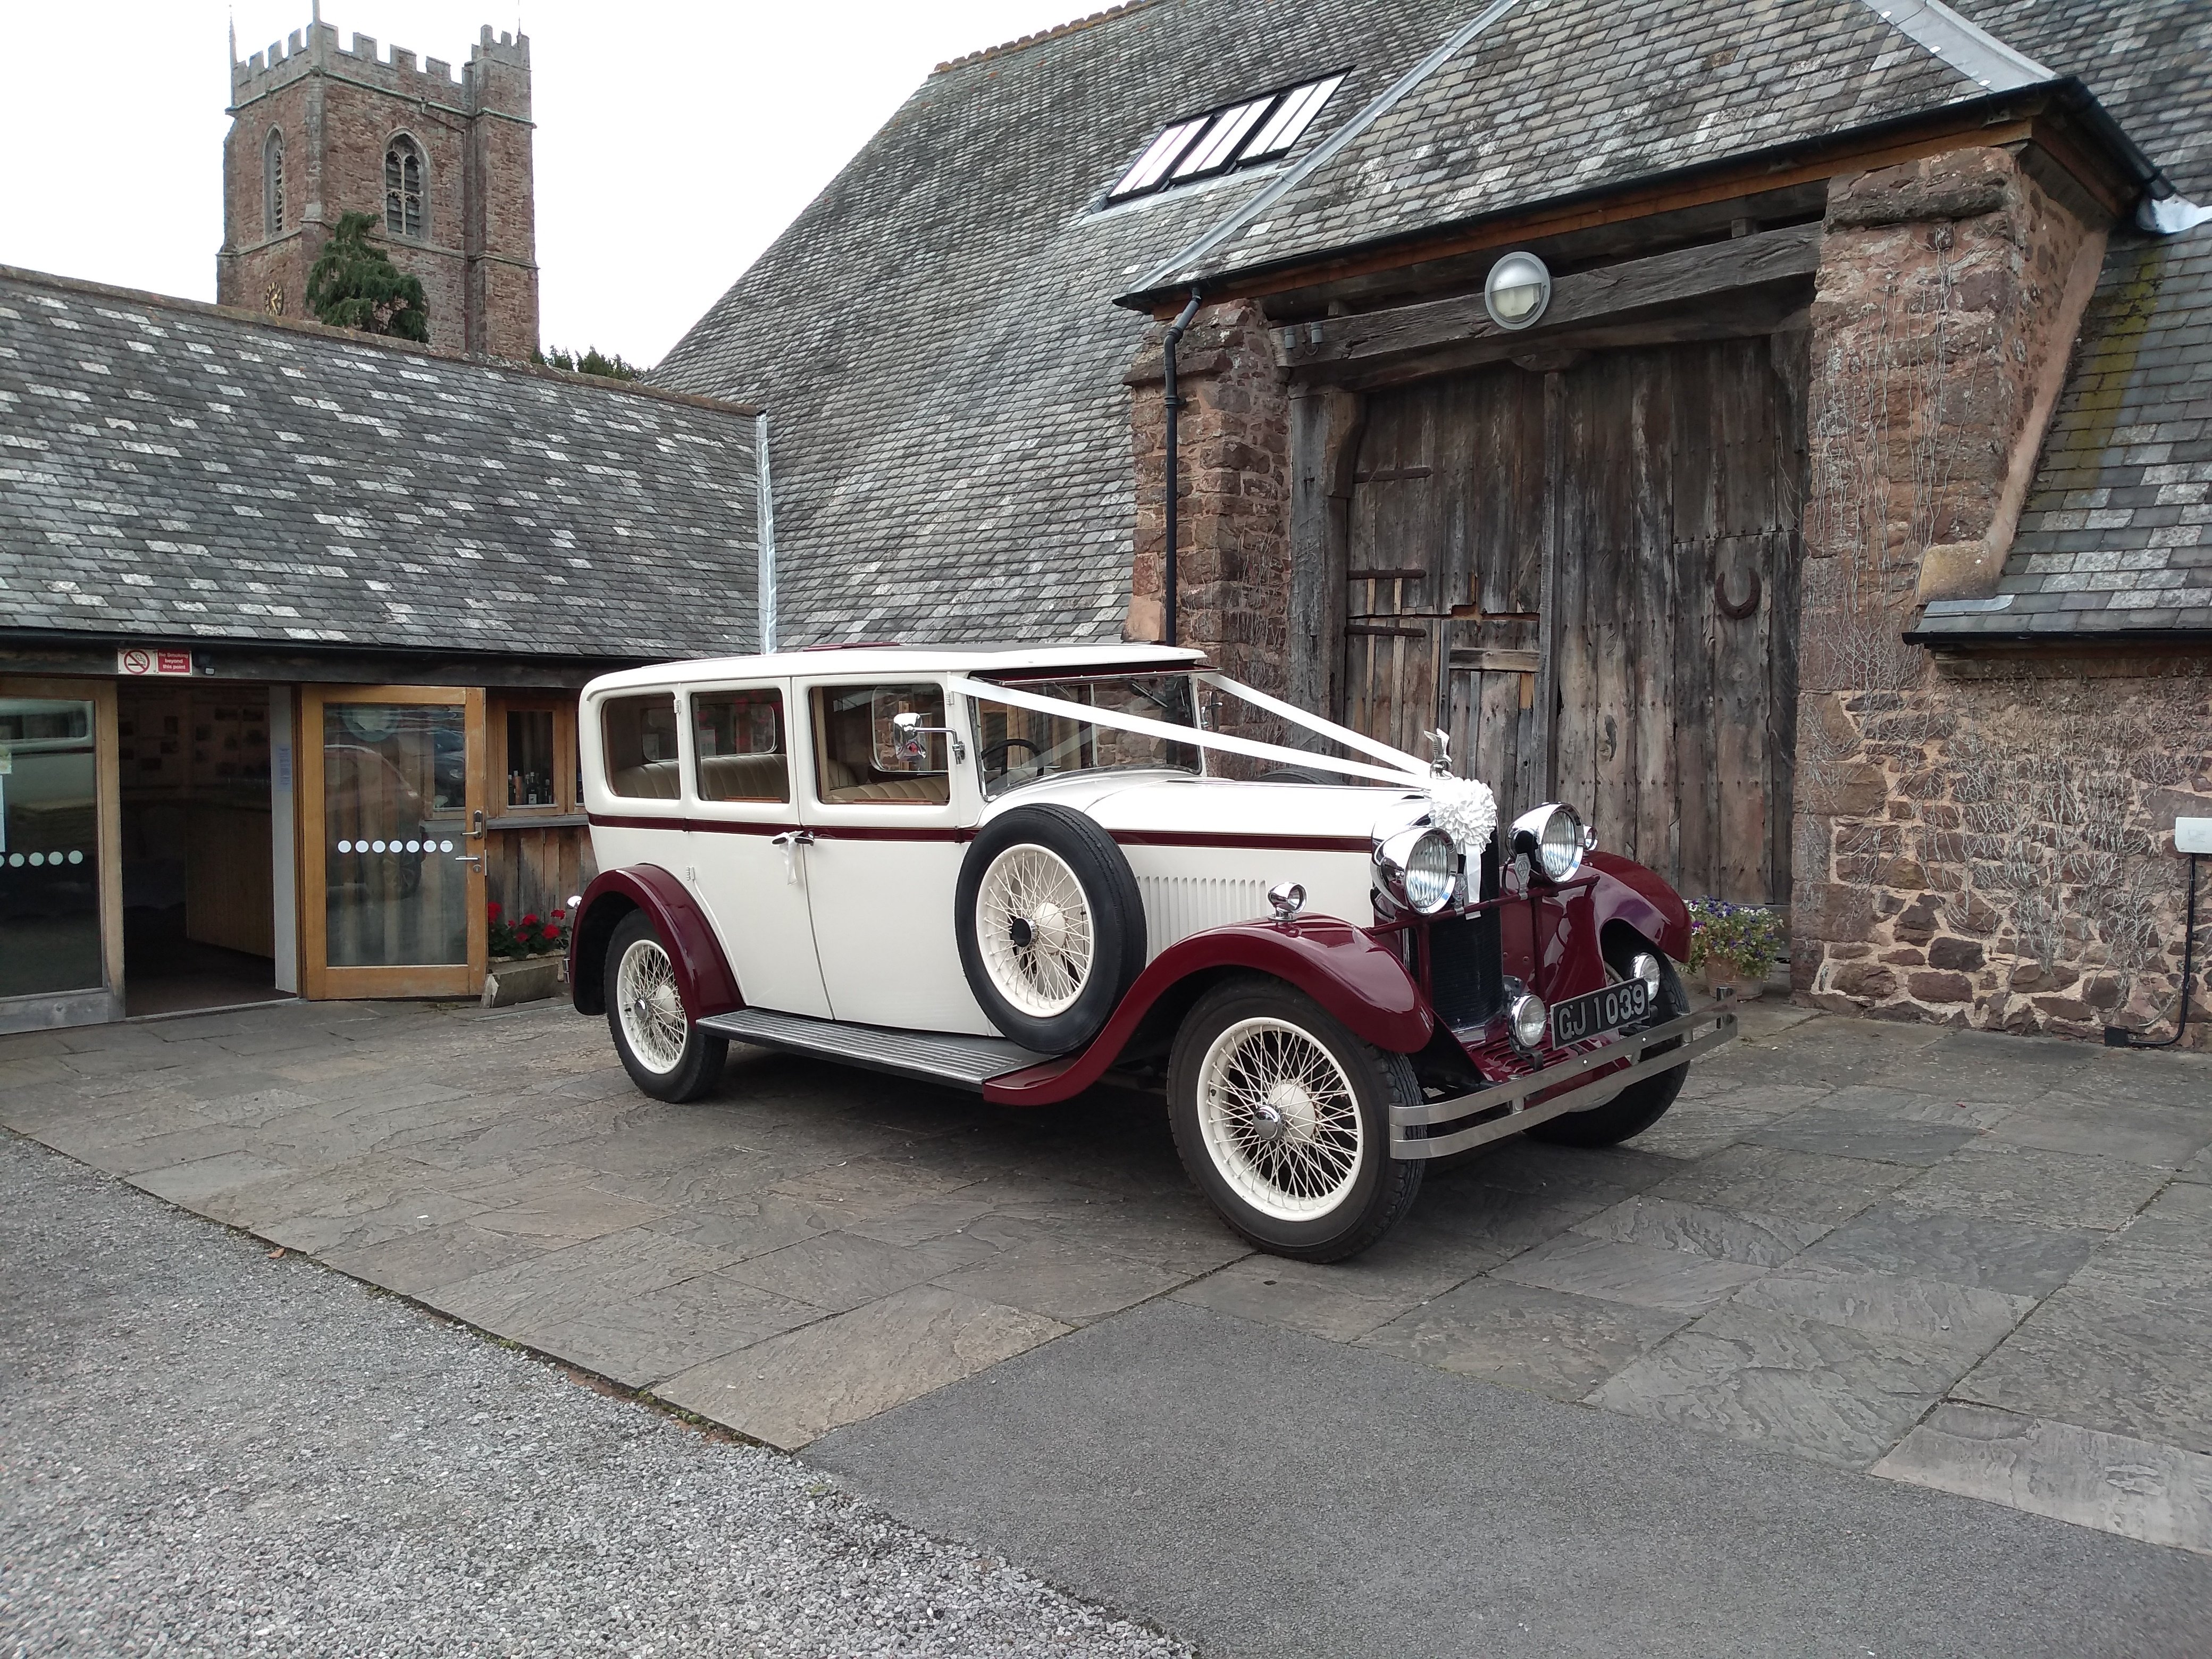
{"x":1050,"y":927}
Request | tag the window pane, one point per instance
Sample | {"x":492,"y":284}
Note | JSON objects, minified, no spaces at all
{"x":738,"y":737}
{"x":49,"y":849}
{"x":1019,"y":746}
{"x":529,"y":757}
{"x":1221,"y":140}
{"x":1292,"y":117}
{"x":394,"y":831}
{"x":853,"y":740}
{"x":640,"y":737}
{"x":1153,"y":164}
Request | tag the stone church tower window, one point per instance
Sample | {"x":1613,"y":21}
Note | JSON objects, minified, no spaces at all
{"x":272,"y":184}
{"x":319,"y":131}
{"x":403,"y":188}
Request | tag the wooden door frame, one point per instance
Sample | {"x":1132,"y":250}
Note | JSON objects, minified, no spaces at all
{"x":107,"y":810}
{"x":319,"y":982}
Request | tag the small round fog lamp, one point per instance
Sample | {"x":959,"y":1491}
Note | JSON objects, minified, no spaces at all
{"x":1518,"y":290}
{"x":1530,"y":1016}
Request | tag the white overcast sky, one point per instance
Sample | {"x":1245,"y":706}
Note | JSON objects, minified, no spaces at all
{"x":674,"y":139}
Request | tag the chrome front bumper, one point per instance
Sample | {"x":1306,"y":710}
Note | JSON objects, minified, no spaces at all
{"x":1504,"y":1108}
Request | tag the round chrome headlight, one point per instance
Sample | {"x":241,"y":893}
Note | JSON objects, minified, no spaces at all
{"x":1553,"y":839}
{"x":1419,"y":867}
{"x":1530,"y":1017}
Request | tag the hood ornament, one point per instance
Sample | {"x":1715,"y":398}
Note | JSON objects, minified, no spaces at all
{"x":1439,"y":753}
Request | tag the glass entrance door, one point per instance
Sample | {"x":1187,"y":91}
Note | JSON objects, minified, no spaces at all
{"x":391,"y":808}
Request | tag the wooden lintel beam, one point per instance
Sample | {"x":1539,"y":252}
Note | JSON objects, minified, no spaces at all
{"x":1314,"y":350}
{"x":1774,"y":309}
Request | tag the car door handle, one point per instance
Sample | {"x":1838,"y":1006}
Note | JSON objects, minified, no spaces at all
{"x":791,"y":840}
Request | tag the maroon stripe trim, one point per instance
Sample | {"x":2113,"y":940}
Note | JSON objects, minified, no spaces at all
{"x":820,"y":831}
{"x":1247,"y":843}
{"x":1257,"y":843}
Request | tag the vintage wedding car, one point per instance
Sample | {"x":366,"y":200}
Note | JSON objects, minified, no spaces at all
{"x":1016,"y":870}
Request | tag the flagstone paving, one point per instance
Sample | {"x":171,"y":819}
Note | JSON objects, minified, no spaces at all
{"x":1971,"y":1262}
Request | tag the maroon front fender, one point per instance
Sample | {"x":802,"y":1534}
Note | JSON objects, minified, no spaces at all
{"x":1360,"y":981}
{"x":703,"y":978}
{"x":1627,"y":892}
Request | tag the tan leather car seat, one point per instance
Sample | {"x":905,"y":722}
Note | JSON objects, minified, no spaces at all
{"x":654,"y":781}
{"x":744,"y":777}
{"x":842,"y":786}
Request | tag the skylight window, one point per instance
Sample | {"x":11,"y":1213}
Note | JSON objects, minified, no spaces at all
{"x":1222,"y":140}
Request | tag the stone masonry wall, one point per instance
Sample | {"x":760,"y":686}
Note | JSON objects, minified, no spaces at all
{"x":1981,"y":844}
{"x":1233,"y":515}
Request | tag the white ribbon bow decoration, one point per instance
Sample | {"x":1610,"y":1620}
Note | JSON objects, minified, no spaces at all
{"x":1465,"y":810}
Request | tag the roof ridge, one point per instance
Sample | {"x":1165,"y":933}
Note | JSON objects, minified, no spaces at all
{"x":354,"y":336}
{"x":1026,"y":40}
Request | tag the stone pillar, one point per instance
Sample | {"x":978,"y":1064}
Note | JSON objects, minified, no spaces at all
{"x":1233,"y":514}
{"x":1977,"y":845}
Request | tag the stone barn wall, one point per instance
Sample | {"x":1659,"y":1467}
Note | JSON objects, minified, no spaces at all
{"x":1984,"y":841}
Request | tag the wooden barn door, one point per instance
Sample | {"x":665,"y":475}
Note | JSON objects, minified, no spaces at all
{"x":1445,"y":571}
{"x":1589,"y":576}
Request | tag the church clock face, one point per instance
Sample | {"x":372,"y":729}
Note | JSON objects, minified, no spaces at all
{"x":273,"y":298}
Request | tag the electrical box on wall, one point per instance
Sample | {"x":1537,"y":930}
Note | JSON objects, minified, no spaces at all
{"x":2192,"y":834}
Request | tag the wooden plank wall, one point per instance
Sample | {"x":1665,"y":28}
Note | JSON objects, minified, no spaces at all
{"x":534,"y":869}
{"x":1676,"y":489}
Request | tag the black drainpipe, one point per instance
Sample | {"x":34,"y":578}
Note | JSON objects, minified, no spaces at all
{"x":1172,"y":402}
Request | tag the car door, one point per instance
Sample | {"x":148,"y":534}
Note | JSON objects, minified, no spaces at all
{"x":748,"y":866}
{"x":885,"y":856}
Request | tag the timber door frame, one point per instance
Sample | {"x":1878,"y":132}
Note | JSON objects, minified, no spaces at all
{"x":76,"y":1007}
{"x":320,"y":982}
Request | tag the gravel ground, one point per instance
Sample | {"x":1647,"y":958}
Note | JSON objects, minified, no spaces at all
{"x":204,"y":1450}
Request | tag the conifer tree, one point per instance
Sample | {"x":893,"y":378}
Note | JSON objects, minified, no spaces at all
{"x":353,"y":284}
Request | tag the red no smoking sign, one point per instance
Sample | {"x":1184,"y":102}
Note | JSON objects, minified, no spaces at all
{"x":141,"y":662}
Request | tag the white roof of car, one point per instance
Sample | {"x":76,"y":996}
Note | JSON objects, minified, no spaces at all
{"x":822,"y":662}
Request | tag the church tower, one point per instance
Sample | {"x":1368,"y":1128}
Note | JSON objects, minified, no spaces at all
{"x":444,"y":164}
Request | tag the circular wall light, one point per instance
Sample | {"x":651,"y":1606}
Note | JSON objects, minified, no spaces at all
{"x":1518,"y":290}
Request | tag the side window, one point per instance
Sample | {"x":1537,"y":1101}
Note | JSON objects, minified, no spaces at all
{"x":856,"y":756}
{"x":640,"y":737}
{"x":737,"y":739}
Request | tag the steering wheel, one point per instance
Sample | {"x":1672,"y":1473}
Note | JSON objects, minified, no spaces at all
{"x":999,"y":749}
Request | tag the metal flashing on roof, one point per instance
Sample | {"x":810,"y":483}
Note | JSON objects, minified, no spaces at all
{"x":1974,"y":52}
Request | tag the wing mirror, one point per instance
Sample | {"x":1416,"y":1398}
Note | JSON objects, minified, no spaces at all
{"x":911,"y":738}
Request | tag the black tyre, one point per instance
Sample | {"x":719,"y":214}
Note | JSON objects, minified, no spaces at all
{"x":1283,"y":1119}
{"x":1050,"y":927}
{"x":1640,"y":1105}
{"x":665,"y":1053}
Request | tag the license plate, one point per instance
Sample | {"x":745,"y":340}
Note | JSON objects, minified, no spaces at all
{"x":1599,"y":1011}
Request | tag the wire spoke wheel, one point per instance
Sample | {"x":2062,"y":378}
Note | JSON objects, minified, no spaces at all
{"x":1279,"y":1119}
{"x":1033,"y":925}
{"x":651,"y":1011}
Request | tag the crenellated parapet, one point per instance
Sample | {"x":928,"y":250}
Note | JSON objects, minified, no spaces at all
{"x":495,"y":79}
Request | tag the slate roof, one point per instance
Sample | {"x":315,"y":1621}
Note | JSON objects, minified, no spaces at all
{"x":953,"y":450}
{"x":169,"y":470}
{"x":935,"y":336}
{"x":1562,"y":97}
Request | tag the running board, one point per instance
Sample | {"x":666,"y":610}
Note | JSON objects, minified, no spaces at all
{"x":966,"y":1062}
